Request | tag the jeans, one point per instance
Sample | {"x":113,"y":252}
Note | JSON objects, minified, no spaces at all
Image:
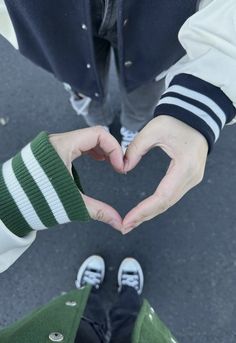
{"x":116,"y":327}
{"x":137,"y":107}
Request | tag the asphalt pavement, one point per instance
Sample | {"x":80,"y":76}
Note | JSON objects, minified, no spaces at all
{"x":188,"y":253}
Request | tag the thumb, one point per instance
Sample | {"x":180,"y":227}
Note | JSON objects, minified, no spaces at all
{"x":139,"y":147}
{"x":103,"y":212}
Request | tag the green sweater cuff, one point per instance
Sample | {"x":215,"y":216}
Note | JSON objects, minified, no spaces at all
{"x":37,"y":190}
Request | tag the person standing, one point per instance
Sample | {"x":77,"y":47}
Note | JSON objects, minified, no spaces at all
{"x":180,"y":41}
{"x":39,"y":188}
{"x":80,"y":316}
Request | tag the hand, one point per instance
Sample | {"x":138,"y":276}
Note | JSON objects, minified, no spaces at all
{"x":101,"y":145}
{"x":187,"y":149}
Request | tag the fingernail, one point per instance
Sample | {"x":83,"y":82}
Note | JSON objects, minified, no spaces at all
{"x":128,"y":229}
{"x":124,"y":171}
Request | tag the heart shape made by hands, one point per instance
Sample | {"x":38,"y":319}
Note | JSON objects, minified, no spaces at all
{"x":106,"y":213}
{"x":186,"y":147}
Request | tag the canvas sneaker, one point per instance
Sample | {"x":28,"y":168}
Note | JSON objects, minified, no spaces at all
{"x":91,"y":272}
{"x":130,"y":274}
{"x":127,"y":137}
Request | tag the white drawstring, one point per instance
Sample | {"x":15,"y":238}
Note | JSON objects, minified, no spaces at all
{"x":127,"y":137}
{"x":130,"y":280}
{"x":91,"y":278}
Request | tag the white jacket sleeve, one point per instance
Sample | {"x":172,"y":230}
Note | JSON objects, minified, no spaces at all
{"x":6,"y":27}
{"x":37,"y":192}
{"x":12,"y":246}
{"x":201,"y":86}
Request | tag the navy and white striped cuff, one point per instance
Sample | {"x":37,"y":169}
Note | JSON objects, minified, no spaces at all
{"x":197,"y":103}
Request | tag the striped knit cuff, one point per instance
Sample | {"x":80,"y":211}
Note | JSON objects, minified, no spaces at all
{"x":37,"y":190}
{"x":199,"y":104}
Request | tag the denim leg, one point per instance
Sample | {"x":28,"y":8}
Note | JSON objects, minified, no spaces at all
{"x":137,"y":107}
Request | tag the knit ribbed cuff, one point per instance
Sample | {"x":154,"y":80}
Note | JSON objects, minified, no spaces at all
{"x":197,"y":103}
{"x":37,"y":190}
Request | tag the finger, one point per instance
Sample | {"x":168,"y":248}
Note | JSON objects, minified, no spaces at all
{"x":103,"y":212}
{"x":97,"y":137}
{"x":96,"y":155}
{"x":170,"y":190}
{"x":112,"y":150}
{"x":142,"y":143}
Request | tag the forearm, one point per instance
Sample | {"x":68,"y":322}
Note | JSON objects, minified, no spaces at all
{"x":37,"y":190}
{"x":201,"y":87}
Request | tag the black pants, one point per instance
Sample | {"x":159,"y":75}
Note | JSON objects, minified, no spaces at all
{"x":115,"y":327}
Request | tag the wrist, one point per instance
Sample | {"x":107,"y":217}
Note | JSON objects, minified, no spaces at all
{"x":37,"y":190}
{"x":199,"y":104}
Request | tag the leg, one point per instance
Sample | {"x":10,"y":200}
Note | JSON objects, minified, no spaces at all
{"x":95,"y":112}
{"x":93,"y":326}
{"x":124,"y":314}
{"x":100,"y":113}
{"x":137,"y":107}
{"x":103,"y":14}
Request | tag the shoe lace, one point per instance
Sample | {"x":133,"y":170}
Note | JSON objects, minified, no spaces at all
{"x":92,"y":277}
{"x":127,"y":135}
{"x":131,"y":280}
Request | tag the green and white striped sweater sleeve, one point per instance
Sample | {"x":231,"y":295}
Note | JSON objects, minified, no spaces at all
{"x":37,"y":190}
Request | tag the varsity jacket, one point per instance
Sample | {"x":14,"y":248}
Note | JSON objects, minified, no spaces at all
{"x":57,"y":35}
{"x":200,"y":91}
{"x":59,"y":320}
{"x":36,"y":192}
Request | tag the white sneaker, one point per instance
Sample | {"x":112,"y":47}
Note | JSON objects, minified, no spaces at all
{"x":91,"y":272}
{"x":127,"y":137}
{"x":130,"y":274}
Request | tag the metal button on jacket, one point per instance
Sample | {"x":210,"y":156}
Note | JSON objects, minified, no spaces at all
{"x":128,"y":64}
{"x":56,"y":337}
{"x":84,"y":27}
{"x":71,"y":303}
{"x":88,"y":66}
{"x":125,"y":22}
